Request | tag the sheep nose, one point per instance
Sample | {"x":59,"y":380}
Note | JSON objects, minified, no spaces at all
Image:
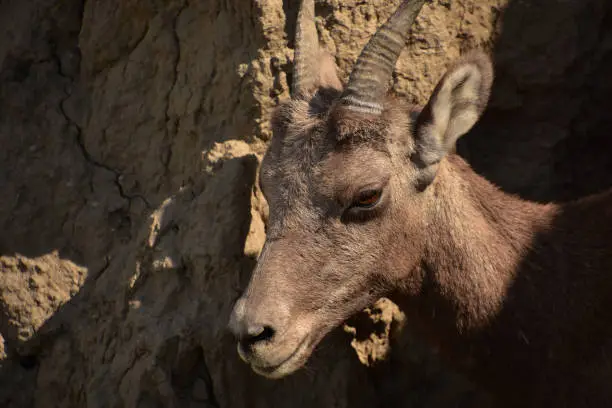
{"x":255,"y":334}
{"x":248,"y":331}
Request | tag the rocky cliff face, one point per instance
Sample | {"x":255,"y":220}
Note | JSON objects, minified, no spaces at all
{"x":131,"y":133}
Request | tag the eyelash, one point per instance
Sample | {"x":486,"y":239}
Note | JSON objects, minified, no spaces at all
{"x":367,"y":199}
{"x":361,"y":213}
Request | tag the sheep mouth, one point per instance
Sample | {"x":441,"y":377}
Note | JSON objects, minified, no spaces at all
{"x":290,"y":364}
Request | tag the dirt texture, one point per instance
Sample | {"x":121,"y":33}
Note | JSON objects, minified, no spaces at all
{"x":131,"y":133}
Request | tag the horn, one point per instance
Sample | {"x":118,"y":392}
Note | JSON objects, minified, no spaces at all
{"x":306,"y":50}
{"x":369,"y":80}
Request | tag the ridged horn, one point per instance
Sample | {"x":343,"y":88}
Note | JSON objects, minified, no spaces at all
{"x":306,"y":50}
{"x":369,"y":80}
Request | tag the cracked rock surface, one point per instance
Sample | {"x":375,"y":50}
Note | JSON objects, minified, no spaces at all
{"x":131,"y":133}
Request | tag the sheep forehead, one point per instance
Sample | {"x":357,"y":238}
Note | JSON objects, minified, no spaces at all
{"x":315,"y":155}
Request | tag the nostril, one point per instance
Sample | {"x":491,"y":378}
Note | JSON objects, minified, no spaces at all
{"x":258,"y":334}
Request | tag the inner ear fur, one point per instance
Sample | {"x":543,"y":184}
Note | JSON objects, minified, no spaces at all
{"x":454,"y":107}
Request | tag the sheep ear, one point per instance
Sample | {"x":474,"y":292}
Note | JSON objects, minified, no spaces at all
{"x":454,"y":107}
{"x":328,"y":72}
{"x":312,"y":67}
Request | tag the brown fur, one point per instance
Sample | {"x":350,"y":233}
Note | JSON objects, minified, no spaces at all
{"x":517,"y":294}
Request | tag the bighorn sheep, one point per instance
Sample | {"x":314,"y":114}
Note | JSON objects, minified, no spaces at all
{"x":368,"y":199}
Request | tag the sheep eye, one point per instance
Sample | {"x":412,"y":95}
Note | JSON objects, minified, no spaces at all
{"x":367,"y":199}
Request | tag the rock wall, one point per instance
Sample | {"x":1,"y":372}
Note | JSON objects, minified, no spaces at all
{"x":131,"y":133}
